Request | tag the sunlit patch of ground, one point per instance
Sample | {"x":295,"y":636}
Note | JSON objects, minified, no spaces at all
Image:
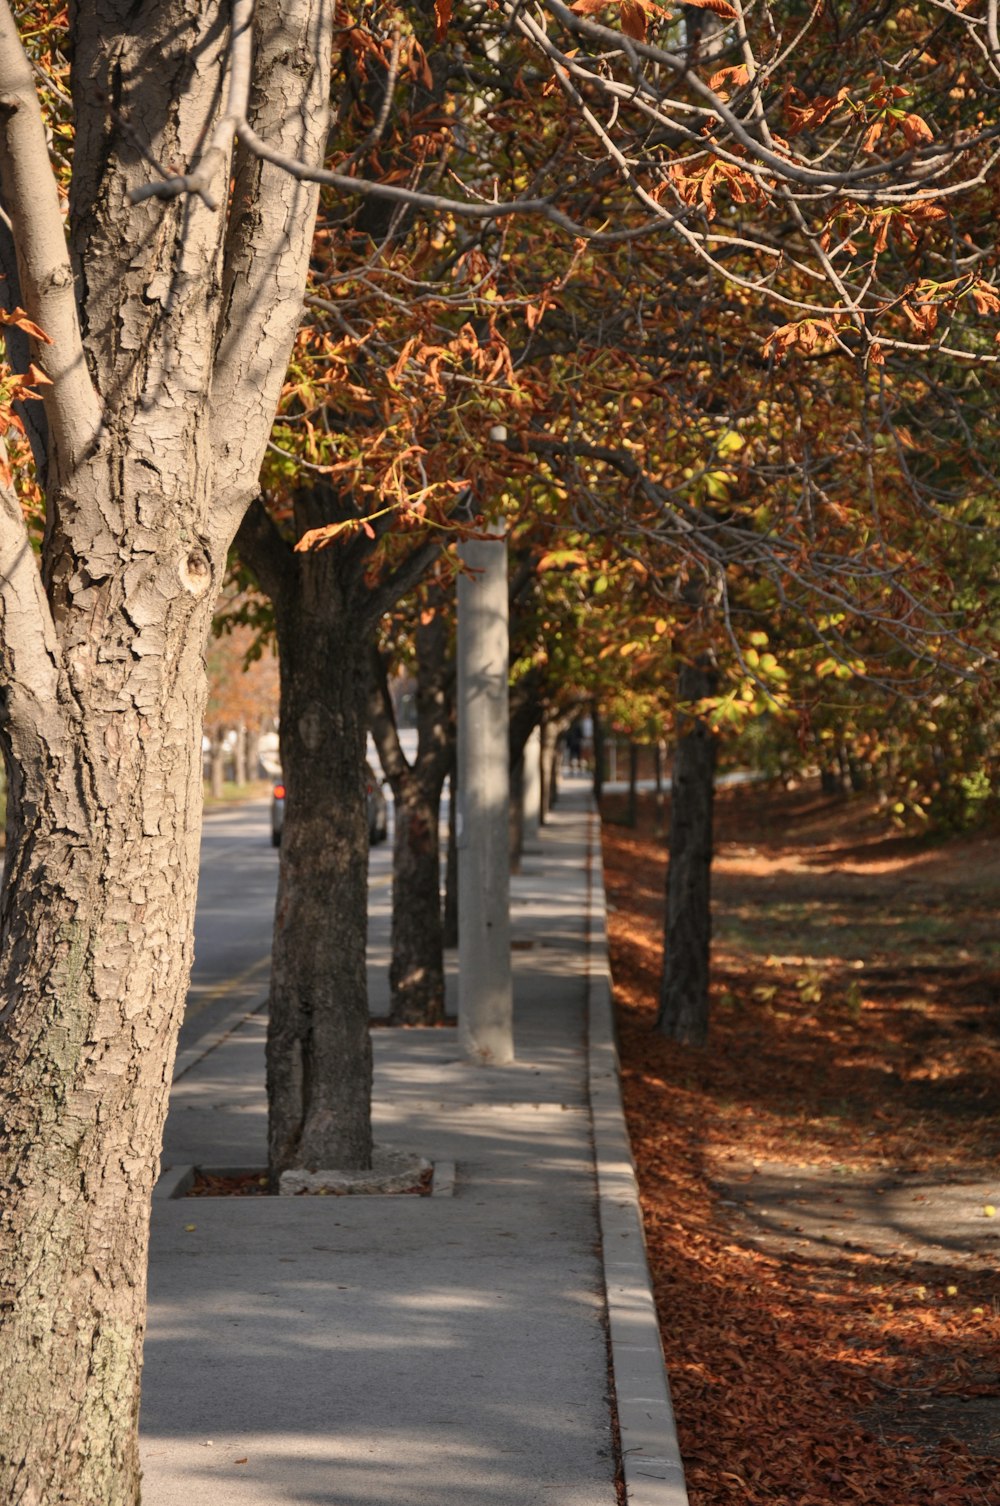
{"x":817,"y":1184}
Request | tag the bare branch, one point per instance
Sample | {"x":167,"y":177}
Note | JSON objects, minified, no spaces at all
{"x":31,"y":198}
{"x":237,"y":107}
{"x":265,"y":250}
{"x":409,"y":573}
{"x":29,"y":651}
{"x":32,"y":415}
{"x":269,"y":556}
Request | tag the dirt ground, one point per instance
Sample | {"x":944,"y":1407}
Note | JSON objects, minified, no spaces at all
{"x":822,"y":1183}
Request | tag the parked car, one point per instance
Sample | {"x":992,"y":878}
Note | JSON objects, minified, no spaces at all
{"x":378,"y":817}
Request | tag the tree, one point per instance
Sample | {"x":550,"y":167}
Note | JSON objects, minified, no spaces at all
{"x":158,"y":330}
{"x":683,"y":1012}
{"x":328,"y":603}
{"x":416,"y":970}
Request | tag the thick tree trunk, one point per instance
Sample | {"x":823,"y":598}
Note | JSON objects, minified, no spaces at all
{"x":167,"y":341}
{"x":683,"y":1014}
{"x":97,"y":918}
{"x":318,"y":1045}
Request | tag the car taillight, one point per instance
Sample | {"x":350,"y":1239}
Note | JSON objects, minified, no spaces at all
{"x":279,"y":792}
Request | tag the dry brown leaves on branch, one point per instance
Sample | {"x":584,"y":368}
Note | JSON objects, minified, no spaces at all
{"x":816,"y":1183}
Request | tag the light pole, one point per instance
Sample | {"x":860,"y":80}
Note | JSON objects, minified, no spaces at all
{"x":485,"y":995}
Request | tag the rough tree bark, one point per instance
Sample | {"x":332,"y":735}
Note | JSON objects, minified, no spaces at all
{"x":170,"y":333}
{"x":683,"y":1014}
{"x":416,"y":972}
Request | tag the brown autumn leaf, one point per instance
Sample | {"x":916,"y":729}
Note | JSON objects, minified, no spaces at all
{"x":763,"y":1349}
{"x":442,"y":18}
{"x":915,"y":130}
{"x":633,"y":16}
{"x":18,"y":318}
{"x":719,"y":7}
{"x":728,"y":79}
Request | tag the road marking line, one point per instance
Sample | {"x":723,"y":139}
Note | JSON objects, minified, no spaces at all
{"x":220,"y":990}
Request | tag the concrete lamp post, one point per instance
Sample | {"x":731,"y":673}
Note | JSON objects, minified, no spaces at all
{"x":485,"y":994}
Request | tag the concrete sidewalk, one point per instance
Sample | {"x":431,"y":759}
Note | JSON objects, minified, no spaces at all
{"x":449,"y":1350}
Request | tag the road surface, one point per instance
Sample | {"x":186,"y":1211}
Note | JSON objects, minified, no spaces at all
{"x":235,"y":915}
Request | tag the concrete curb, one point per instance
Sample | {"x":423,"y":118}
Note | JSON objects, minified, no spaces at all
{"x":175,"y":1181}
{"x":192,"y":1055}
{"x":654,"y":1473}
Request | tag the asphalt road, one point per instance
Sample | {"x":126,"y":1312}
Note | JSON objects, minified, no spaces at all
{"x":235,"y":916}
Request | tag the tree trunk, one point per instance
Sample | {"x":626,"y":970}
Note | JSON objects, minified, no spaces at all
{"x":598,"y":755}
{"x":318,"y":1045}
{"x":240,"y":756}
{"x":683,"y":1014}
{"x":450,"y":934}
{"x":515,"y":814}
{"x":253,"y":754}
{"x":167,"y":341}
{"x":416,"y":973}
{"x":632,"y":815}
{"x":550,"y":766}
{"x":97,"y":921}
{"x":217,"y":767}
{"x":659,"y":796}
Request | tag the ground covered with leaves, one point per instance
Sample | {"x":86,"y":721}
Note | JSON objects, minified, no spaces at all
{"x":821,"y":1184}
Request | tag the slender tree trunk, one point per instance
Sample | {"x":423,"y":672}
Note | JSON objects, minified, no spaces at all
{"x":240,"y":770}
{"x":633,"y":783}
{"x":551,"y":733}
{"x":598,"y":755}
{"x":253,"y":753}
{"x":515,"y":818}
{"x":450,"y":934}
{"x":416,"y":973}
{"x":217,"y":765}
{"x":318,"y":1045}
{"x":659,"y":797}
{"x":683,"y":1014}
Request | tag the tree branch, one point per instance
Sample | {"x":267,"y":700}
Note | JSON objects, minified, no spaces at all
{"x":30,"y":658}
{"x":266,"y":256}
{"x":32,"y":415}
{"x":29,"y":192}
{"x":269,"y":556}
{"x":382,"y":723}
{"x":409,"y":573}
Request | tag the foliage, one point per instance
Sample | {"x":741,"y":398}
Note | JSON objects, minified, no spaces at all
{"x":823,"y":1354}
